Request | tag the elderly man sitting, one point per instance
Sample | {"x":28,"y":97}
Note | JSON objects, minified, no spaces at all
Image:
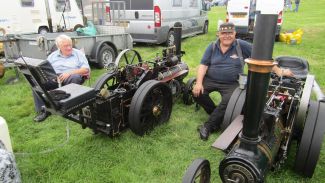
{"x":71,"y":66}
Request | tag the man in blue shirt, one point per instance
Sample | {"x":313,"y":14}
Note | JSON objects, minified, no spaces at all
{"x":218,"y":71}
{"x":71,"y":66}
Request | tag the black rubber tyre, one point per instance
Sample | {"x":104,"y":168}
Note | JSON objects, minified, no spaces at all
{"x":105,"y":56}
{"x":127,"y":57}
{"x":311,"y":141}
{"x":170,"y":38}
{"x":175,"y":88}
{"x":300,"y":118}
{"x":198,"y":171}
{"x":205,"y":28}
{"x":106,"y":80}
{"x":151,"y":105}
{"x":316,"y":144}
{"x":234,"y":107}
{"x":43,"y":30}
{"x":277,"y":37}
{"x":306,"y":138}
{"x":187,"y":93}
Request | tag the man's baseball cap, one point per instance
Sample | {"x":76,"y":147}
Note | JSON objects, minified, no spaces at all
{"x":227,"y":27}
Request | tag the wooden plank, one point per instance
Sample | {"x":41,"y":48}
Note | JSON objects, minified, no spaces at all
{"x":230,"y":134}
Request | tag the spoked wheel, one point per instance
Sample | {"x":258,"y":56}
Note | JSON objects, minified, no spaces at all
{"x":107,"y":81}
{"x":199,"y":171}
{"x":187,"y":94}
{"x":234,"y":107}
{"x":151,"y":105}
{"x":127,"y":57}
{"x":43,"y":30}
{"x":311,"y":141}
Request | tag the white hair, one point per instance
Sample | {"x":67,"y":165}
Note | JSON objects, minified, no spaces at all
{"x":62,"y":38}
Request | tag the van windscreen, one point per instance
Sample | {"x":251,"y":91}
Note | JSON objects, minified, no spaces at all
{"x":137,"y":4}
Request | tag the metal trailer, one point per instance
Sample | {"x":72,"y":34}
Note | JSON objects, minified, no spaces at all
{"x":101,"y":49}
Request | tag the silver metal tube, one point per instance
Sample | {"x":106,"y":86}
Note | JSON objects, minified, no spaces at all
{"x":319,"y":94}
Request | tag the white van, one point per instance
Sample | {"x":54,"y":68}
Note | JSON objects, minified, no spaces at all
{"x":36,"y":16}
{"x":243,"y":13}
{"x":152,"y":21}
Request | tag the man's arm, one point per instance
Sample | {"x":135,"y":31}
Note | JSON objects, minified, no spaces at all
{"x":81,"y":71}
{"x":198,"y":88}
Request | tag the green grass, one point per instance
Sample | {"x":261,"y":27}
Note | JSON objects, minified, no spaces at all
{"x":164,"y":154}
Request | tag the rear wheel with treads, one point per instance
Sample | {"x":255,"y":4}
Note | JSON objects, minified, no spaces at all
{"x":304,"y":102}
{"x":151,"y":105}
{"x":311,"y":141}
{"x":234,"y":107}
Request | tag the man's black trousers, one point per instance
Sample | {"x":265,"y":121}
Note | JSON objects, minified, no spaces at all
{"x":216,"y":112}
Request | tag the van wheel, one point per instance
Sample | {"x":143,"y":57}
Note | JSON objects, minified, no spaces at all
{"x":43,"y":30}
{"x":277,"y":38}
{"x":105,"y":56}
{"x":170,"y":38}
{"x":205,"y":28}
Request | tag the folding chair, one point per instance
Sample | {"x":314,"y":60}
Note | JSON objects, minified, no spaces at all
{"x":39,"y":73}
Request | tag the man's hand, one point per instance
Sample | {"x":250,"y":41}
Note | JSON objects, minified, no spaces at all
{"x":287,"y":72}
{"x":282,"y":72}
{"x":197,"y":89}
{"x":64,"y":76}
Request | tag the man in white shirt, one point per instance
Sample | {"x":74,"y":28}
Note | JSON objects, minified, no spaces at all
{"x":71,"y":66}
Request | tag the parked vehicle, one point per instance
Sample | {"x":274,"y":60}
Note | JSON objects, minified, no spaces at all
{"x":243,"y":14}
{"x":152,"y":21}
{"x":219,"y":2}
{"x":207,"y":5}
{"x":101,"y":48}
{"x":39,"y":16}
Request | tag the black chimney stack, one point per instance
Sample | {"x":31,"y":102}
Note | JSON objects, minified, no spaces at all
{"x":259,"y":69}
{"x":250,"y":157}
{"x":178,"y":38}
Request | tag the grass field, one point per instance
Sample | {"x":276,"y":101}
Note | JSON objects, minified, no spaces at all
{"x":43,"y":153}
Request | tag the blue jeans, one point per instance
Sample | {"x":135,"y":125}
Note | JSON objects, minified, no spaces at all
{"x":74,"y":78}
